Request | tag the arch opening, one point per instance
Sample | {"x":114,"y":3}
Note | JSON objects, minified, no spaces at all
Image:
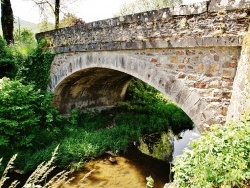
{"x":92,"y":87}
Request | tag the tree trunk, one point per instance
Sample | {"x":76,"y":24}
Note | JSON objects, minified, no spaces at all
{"x":57,"y":12}
{"x":7,"y":20}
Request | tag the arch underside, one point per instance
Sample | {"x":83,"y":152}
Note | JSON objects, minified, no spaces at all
{"x":89,"y":79}
{"x":90,"y":88}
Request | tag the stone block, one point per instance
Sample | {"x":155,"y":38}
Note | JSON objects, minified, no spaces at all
{"x":200,"y":85}
{"x":230,"y":65}
{"x":221,"y":41}
{"x":228,"y":73}
{"x":181,"y":75}
{"x":215,"y":84}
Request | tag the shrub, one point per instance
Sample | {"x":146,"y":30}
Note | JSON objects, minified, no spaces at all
{"x":24,"y":111}
{"x":220,"y":158}
{"x":7,"y":62}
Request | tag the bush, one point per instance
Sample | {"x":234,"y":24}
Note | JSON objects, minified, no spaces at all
{"x":24,"y":111}
{"x":220,"y":158}
{"x":8,"y":63}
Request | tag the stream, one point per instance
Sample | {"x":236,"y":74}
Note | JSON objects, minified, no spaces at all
{"x":131,"y":169}
{"x":152,"y":156}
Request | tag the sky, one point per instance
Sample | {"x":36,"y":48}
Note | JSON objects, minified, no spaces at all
{"x":88,"y":10}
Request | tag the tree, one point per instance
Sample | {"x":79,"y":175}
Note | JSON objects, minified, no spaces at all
{"x":7,"y":20}
{"x":145,"y":5}
{"x":25,"y":40}
{"x":57,"y":13}
{"x":68,"y":20}
{"x":45,"y":25}
{"x":52,"y":6}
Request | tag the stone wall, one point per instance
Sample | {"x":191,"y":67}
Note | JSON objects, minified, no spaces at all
{"x":240,"y":101}
{"x":208,"y":19}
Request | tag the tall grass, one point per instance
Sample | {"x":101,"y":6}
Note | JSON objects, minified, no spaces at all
{"x":39,"y":177}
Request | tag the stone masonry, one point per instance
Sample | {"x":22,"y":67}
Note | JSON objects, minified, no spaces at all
{"x":189,"y":53}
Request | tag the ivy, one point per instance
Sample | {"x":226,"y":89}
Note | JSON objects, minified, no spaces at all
{"x":36,"y":68}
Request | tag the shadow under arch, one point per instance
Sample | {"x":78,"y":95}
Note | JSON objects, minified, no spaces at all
{"x":101,"y":79}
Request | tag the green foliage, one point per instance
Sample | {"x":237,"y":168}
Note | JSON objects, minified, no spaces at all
{"x":220,"y":158}
{"x":17,"y":107}
{"x":68,"y":20}
{"x":45,"y":26}
{"x":140,"y":92}
{"x":150,"y":182}
{"x":25,"y":40}
{"x":91,"y":133}
{"x":24,"y":111}
{"x":36,"y":68}
{"x":8,"y":65}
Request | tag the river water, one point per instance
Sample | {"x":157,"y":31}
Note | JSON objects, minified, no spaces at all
{"x":152,"y":156}
{"x":132,"y":168}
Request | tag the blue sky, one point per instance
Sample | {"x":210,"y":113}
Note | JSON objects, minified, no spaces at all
{"x":88,"y":10}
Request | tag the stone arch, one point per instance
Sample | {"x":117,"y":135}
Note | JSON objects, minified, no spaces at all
{"x":68,"y":70}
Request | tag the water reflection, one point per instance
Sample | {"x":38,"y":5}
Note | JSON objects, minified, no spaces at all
{"x":159,"y":146}
{"x":166,"y":146}
{"x":185,"y":138}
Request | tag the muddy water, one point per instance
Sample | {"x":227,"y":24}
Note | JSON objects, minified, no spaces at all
{"x":130,"y":170}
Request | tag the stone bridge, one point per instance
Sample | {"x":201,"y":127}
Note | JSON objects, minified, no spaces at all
{"x":191,"y":53}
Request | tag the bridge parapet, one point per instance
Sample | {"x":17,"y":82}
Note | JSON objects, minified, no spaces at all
{"x":209,"y":23}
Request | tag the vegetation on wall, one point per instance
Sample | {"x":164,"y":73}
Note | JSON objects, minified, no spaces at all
{"x":36,"y":67}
